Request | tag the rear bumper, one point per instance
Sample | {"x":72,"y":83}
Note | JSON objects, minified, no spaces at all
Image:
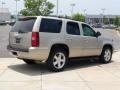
{"x":33,"y":53}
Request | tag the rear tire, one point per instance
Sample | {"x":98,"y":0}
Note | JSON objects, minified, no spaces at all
{"x":57,"y":60}
{"x":106,"y":55}
{"x":30,"y":62}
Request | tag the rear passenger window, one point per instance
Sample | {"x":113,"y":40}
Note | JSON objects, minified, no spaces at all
{"x":73,"y":28}
{"x":50,"y":25}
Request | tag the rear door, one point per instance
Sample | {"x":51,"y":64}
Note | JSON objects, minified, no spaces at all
{"x":50,"y":32}
{"x":73,"y":39}
{"x":20,"y":35}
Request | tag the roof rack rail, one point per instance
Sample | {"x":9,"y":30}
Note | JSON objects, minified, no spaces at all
{"x":61,"y":17}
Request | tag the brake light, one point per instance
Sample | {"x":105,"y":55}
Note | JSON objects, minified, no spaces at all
{"x":35,"y":39}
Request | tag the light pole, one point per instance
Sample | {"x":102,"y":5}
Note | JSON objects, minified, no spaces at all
{"x":72,"y":10}
{"x":3,"y":3}
{"x":16,"y":10}
{"x":57,"y":7}
{"x":103,"y":10}
{"x":85,"y":14}
{"x":85,"y":11}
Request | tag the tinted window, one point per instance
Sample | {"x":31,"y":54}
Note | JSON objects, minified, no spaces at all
{"x":73,"y":28}
{"x":24,"y":25}
{"x":87,"y":30}
{"x":50,"y":25}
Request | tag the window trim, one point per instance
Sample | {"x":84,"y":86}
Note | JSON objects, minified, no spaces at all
{"x":78,"y":27}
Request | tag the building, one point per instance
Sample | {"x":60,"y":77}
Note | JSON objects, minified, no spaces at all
{"x":5,"y":14}
{"x":93,"y":19}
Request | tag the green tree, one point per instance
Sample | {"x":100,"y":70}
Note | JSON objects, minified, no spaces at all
{"x":78,"y":17}
{"x":67,"y":17}
{"x":37,"y":7}
{"x":117,"y":21}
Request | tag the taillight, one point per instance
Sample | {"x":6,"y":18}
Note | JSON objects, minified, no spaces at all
{"x":35,"y":39}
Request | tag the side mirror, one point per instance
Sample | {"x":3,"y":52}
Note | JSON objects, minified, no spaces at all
{"x":98,"y":34}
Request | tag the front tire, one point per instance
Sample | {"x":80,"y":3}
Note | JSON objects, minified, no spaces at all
{"x":57,"y":60}
{"x":106,"y":55}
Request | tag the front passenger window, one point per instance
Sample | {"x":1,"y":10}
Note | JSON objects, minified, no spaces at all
{"x":87,"y":30}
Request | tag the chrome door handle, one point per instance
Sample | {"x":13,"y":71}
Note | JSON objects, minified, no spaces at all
{"x":86,"y":41}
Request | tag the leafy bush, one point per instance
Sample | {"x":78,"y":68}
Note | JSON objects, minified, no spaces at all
{"x":78,"y":17}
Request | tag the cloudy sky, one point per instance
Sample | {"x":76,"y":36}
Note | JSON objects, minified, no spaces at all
{"x":91,"y":6}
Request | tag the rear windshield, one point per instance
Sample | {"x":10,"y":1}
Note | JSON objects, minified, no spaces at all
{"x":50,"y":25}
{"x":23,"y":25}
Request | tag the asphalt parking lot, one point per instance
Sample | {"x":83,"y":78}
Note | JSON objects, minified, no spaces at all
{"x":79,"y":75}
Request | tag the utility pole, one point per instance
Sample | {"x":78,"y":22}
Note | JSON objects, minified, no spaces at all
{"x":103,"y":11}
{"x":72,"y":10}
{"x":85,"y":11}
{"x":85,"y":14}
{"x":57,"y":8}
{"x":16,"y":9}
{"x":3,"y":3}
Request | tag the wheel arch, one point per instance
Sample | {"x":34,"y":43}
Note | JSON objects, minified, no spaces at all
{"x":108,"y":45}
{"x":63,"y":46}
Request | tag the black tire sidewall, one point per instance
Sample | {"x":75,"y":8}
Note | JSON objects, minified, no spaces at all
{"x":49,"y":62}
{"x":102,"y":59}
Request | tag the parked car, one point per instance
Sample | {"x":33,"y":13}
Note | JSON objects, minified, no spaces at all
{"x":54,"y":40}
{"x":97,"y":25}
{"x":11,"y":23}
{"x":111,"y":26}
{"x":2,"y":23}
{"x":105,"y":26}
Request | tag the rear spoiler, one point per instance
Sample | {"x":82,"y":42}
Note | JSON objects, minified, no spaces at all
{"x":22,"y":19}
{"x":26,"y":18}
